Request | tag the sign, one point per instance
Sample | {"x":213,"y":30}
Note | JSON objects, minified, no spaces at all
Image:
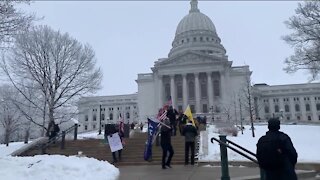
{"x":115,"y":142}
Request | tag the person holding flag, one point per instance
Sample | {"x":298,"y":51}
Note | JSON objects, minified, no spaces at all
{"x":166,"y":146}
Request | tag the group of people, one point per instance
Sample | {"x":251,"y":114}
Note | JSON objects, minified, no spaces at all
{"x":168,"y":129}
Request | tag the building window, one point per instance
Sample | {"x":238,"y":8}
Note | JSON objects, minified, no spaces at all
{"x":288,"y":117}
{"x":128,"y":115}
{"x":191,"y":90}
{"x":205,"y":108}
{"x":85,"y":127}
{"x":167,"y":91}
{"x":111,"y":116}
{"x":179,"y":108}
{"x":179,"y":91}
{"x":86,"y":118}
{"x":318,"y":107}
{"x":286,"y":108}
{"x":94,"y":117}
{"x":297,"y":107}
{"x":319,"y":117}
{"x":216,"y":88}
{"x":192,"y":108}
{"x":298,"y":117}
{"x":307,"y":107}
{"x":309,"y":118}
{"x":217,"y":109}
{"x":102,"y":117}
{"x":276,"y":108}
{"x":94,"y":126}
{"x":203,"y":90}
{"x":266,"y":109}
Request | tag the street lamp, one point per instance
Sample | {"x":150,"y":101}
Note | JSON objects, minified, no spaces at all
{"x":100,"y":120}
{"x":212,"y":116}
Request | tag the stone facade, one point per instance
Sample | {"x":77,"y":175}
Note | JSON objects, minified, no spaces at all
{"x":101,"y":110}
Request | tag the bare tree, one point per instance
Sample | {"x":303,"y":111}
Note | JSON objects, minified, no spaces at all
{"x":305,"y":39}
{"x":9,"y":115}
{"x":12,"y":21}
{"x":247,"y":99}
{"x":54,"y":66}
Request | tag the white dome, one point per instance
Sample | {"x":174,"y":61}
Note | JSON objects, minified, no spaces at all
{"x":195,"y":21}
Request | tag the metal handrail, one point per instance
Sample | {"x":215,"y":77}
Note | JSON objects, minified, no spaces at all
{"x":242,"y":148}
{"x":58,"y":136}
{"x":236,"y":150}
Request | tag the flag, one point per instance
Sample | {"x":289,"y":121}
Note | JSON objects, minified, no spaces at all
{"x":162,"y":114}
{"x":121,"y":124}
{"x":188,"y":113}
{"x":152,"y":129}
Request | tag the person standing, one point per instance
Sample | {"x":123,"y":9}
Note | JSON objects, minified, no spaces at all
{"x":166,"y":144}
{"x":190,"y":133}
{"x":171,"y":114}
{"x":276,"y":153}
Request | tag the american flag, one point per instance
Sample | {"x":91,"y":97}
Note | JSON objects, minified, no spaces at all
{"x":162,"y":114}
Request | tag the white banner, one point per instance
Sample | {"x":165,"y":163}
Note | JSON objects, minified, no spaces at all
{"x":115,"y":142}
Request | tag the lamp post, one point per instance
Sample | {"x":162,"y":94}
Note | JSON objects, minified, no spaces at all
{"x":212,"y":114}
{"x":100,"y":120}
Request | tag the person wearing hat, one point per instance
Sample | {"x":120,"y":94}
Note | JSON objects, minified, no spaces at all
{"x":288,"y":154}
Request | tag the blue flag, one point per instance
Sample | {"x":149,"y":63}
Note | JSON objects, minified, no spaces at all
{"x":152,"y":129}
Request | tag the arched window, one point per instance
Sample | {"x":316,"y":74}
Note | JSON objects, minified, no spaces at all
{"x":191,"y":89}
{"x":286,"y":108}
{"x":167,"y":91}
{"x":179,"y":91}
{"x":266,"y":109}
{"x":276,"y":108}
{"x":111,"y":116}
{"x":307,"y":107}
{"x":204,"y":90}
{"x":94,"y":117}
{"x":216,"y":88}
{"x":297,"y":107}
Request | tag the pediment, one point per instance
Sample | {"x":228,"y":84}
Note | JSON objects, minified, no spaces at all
{"x":190,"y":58}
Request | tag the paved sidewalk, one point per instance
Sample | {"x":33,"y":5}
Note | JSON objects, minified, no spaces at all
{"x":181,"y":172}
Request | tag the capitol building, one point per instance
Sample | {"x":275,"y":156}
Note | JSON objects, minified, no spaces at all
{"x":198,"y":73}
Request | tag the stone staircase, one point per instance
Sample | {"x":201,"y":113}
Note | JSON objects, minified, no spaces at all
{"x":132,"y":154}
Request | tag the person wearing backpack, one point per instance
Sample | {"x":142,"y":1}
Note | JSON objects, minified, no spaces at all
{"x":276,"y":153}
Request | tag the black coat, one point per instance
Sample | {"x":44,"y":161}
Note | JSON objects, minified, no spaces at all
{"x":290,"y":158}
{"x":190,"y":133}
{"x":165,"y":136}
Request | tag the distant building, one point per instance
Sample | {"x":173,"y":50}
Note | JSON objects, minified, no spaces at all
{"x":291,"y":102}
{"x":107,"y":110}
{"x":197,"y":72}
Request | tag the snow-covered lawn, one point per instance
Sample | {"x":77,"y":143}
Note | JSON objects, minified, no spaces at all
{"x":304,"y":138}
{"x":54,"y":167}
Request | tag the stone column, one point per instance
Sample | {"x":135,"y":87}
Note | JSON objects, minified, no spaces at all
{"x":210,"y":89}
{"x":197,"y":87}
{"x":185,"y":91}
{"x":313,"y":108}
{"x":222,"y":87}
{"x":303,"y":111}
{"x":160,"y":90}
{"x":292,"y":109}
{"x":172,"y":90}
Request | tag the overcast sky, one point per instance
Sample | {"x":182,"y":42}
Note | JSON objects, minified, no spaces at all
{"x":128,"y":36}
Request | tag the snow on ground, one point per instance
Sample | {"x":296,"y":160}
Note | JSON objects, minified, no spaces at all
{"x":56,"y":167}
{"x":304,"y":138}
{"x":5,"y":151}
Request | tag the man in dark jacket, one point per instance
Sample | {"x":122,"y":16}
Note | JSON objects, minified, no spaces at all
{"x":190,"y":133}
{"x":166,"y":144}
{"x":171,"y":114}
{"x":286,"y":171}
